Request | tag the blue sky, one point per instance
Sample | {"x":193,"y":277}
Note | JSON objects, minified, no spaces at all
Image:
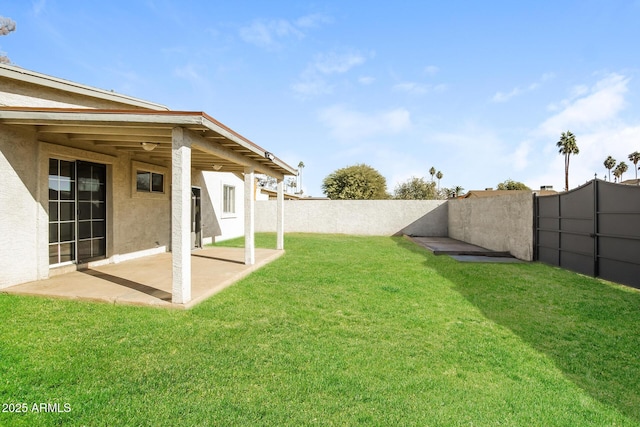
{"x":480,"y":90}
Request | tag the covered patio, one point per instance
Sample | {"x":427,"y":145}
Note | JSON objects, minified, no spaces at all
{"x":183,"y":141}
{"x":147,"y":281}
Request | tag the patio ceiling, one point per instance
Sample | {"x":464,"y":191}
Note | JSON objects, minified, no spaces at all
{"x":215,"y":147}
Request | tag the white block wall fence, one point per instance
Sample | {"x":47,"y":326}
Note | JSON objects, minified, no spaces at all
{"x":501,"y":223}
{"x":357,"y":217}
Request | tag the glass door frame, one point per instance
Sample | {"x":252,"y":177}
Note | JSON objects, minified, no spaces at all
{"x":87,"y":197}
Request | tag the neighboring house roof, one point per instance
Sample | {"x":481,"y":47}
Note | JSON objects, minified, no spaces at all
{"x":631,"y":182}
{"x":274,"y":194}
{"x":494,"y":193}
{"x":215,"y":146}
{"x":39,"y":79}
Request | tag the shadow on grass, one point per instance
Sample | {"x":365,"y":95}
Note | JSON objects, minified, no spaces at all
{"x":589,"y":328}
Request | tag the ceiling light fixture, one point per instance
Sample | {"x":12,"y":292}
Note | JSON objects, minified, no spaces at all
{"x":148,"y":146}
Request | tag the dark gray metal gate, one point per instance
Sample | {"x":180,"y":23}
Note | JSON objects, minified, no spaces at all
{"x":594,"y":230}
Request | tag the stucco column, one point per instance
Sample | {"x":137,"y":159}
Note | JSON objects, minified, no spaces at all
{"x":280,"y":215}
{"x":249,"y":219}
{"x":181,"y":216}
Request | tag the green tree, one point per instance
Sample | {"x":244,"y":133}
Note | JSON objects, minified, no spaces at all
{"x":510,"y":184}
{"x":567,"y":146}
{"x":457,"y":190}
{"x":415,"y":189}
{"x":609,"y":163}
{"x":439,"y":175}
{"x":7,"y":25}
{"x":619,"y":170}
{"x":635,"y":158}
{"x":432,"y":172}
{"x":357,"y":182}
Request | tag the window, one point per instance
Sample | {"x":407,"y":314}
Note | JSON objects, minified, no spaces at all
{"x":228,"y":199}
{"x":149,"y":182}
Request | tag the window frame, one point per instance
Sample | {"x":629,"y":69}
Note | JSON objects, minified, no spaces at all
{"x":229,"y":200}
{"x":151,"y":169}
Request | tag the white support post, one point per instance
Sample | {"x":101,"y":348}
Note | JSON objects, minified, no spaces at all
{"x":181,"y":216}
{"x":280,"y":215}
{"x":249,"y":212}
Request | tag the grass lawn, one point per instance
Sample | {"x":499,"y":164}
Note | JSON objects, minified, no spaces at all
{"x":341,"y":330}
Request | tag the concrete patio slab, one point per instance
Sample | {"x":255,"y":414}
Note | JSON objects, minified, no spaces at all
{"x":484,"y":258}
{"x":462,"y":251}
{"x":147,"y":281}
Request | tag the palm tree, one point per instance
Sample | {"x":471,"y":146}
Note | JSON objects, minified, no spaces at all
{"x":610,"y":163}
{"x":567,"y":146}
{"x":300,"y":167}
{"x":432,"y":172}
{"x":457,"y":190}
{"x":635,"y":158}
{"x":439,"y":175}
{"x":619,"y":170}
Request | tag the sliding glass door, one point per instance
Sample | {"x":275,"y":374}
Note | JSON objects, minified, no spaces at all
{"x":77,"y":211}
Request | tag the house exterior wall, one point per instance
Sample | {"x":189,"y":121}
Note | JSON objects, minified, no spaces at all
{"x":360,"y":217}
{"x":216,"y":224}
{"x":501,"y":223}
{"x":19,"y":209}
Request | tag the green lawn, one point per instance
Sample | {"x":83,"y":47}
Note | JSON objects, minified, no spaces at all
{"x":341,"y":330}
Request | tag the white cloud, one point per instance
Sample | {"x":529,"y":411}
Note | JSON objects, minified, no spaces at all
{"x":366,"y":80}
{"x":520,"y":157}
{"x":431,"y":69}
{"x":336,"y":63}
{"x":313,"y":82}
{"x":269,"y":34}
{"x":504,"y":97}
{"x":39,"y":6}
{"x":313,"y":21}
{"x":592,"y":113}
{"x":414,"y":88}
{"x":517,"y":91}
{"x":602,"y":103}
{"x":266,"y":33}
{"x":195,"y":77}
{"x":312,"y":87}
{"x":189,"y":72}
{"x":349,"y":125}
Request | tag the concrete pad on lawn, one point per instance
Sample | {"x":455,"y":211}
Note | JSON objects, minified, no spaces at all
{"x":462,"y":251}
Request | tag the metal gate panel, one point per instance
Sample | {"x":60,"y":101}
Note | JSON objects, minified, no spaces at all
{"x":620,"y":272}
{"x":594,"y":230}
{"x":619,"y":233}
{"x":577,"y":262}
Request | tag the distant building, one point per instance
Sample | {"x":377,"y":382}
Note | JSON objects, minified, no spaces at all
{"x":545,"y":190}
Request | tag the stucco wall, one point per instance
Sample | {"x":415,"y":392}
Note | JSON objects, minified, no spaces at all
{"x":23,"y":94}
{"x":217,"y":226}
{"x":18,"y":207}
{"x":360,"y":217}
{"x":501,"y":223}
